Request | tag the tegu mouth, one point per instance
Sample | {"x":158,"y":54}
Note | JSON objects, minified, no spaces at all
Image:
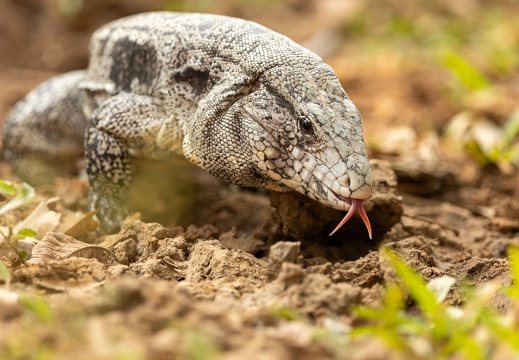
{"x":342,"y":198}
{"x":356,"y":204}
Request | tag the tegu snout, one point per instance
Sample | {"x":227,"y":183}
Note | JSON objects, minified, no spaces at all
{"x":311,"y":138}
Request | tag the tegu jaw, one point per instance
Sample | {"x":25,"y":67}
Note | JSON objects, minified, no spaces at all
{"x":346,"y":192}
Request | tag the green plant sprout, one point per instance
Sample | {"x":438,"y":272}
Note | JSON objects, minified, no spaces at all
{"x":20,"y":195}
{"x":486,"y":142}
{"x":505,"y":153}
{"x":440,"y":331}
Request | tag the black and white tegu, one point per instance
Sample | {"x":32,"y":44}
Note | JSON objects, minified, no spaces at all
{"x":242,"y":102}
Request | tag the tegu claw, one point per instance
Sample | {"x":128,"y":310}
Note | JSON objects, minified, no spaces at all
{"x":356,"y":204}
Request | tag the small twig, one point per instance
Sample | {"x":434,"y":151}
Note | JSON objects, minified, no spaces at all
{"x":13,"y":245}
{"x":427,"y":243}
{"x":8,"y":239}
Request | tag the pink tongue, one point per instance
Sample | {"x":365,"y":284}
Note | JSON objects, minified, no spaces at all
{"x":356,"y":204}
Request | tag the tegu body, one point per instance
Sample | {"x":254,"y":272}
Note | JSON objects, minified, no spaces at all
{"x":241,"y":101}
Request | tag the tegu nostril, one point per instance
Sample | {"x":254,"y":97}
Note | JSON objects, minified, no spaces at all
{"x":344,"y":180}
{"x":341,"y":186}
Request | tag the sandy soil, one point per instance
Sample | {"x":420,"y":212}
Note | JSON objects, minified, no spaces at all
{"x":239,"y":272}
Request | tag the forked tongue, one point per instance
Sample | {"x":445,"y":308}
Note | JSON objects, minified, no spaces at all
{"x":356,"y":204}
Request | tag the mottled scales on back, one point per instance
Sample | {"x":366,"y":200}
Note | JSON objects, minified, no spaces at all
{"x":244,"y":103}
{"x":43,"y":134}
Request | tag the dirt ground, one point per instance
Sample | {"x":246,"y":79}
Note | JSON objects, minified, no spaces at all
{"x":209,"y":270}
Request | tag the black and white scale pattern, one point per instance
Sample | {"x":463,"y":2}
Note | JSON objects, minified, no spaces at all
{"x":241,"y":101}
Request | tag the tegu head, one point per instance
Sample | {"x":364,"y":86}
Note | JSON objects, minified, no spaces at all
{"x":307,"y":136}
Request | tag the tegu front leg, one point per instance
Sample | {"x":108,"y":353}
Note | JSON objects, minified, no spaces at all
{"x":124,"y":126}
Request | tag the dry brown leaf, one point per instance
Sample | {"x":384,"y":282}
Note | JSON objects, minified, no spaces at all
{"x":58,"y":246}
{"x":41,"y":220}
{"x":93,"y":252}
{"x":83,"y":226}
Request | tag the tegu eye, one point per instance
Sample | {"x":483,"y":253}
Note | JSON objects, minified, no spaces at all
{"x":306,"y":126}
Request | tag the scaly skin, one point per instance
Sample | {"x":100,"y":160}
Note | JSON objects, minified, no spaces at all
{"x":244,"y":103}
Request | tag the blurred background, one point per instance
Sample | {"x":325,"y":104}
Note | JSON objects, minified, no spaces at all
{"x":423,"y":73}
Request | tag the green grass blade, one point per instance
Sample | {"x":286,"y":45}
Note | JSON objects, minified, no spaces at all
{"x":511,"y":129}
{"x":468,"y":75}
{"x":417,"y":287}
{"x":8,"y":188}
{"x":23,"y":196}
{"x":5,"y":275}
{"x":38,"y":306}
